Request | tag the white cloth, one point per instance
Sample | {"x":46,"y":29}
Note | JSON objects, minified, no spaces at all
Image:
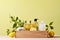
{"x":8,"y":38}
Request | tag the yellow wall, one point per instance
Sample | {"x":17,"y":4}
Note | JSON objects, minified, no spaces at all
{"x":46,"y":10}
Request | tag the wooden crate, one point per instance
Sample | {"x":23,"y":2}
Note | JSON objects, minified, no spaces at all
{"x":31,"y":34}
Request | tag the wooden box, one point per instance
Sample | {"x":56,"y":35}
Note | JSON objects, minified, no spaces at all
{"x":31,"y":34}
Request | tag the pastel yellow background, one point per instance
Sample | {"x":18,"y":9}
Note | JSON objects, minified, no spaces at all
{"x":46,"y":10}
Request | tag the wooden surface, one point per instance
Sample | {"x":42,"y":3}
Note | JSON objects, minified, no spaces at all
{"x":31,"y":34}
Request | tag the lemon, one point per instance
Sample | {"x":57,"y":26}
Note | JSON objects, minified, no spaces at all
{"x":51,"y":34}
{"x":12,"y":34}
{"x":33,"y":29}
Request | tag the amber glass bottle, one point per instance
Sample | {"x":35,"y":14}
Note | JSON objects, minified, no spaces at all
{"x":35,"y":24}
{"x":27,"y":26}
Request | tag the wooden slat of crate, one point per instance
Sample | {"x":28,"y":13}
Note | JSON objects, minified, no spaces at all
{"x":31,"y":34}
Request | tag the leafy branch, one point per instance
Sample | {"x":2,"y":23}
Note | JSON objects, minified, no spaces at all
{"x":16,"y":23}
{"x":49,"y":26}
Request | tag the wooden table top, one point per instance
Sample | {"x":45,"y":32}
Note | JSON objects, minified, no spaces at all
{"x":34,"y":34}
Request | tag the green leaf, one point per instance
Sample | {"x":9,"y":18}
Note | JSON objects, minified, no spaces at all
{"x":51,"y":27}
{"x":46,"y":28}
{"x":13,"y":30}
{"x":50,"y":23}
{"x":46,"y":25}
{"x":21,"y":24}
{"x":14,"y":25}
{"x":19,"y":20}
{"x":16,"y":18}
{"x":12,"y":18}
{"x":8,"y":31}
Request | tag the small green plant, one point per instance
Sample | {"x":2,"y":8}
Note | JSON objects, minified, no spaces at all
{"x":49,"y":26}
{"x":16,"y":22}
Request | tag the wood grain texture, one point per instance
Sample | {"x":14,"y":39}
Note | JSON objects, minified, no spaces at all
{"x":31,"y":34}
